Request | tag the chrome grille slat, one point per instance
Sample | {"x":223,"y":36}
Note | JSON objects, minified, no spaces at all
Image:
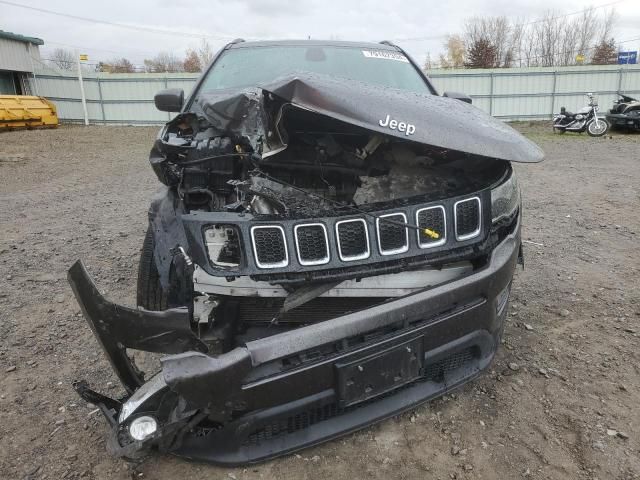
{"x":312,"y":243}
{"x":433,"y":218}
{"x":392,"y":238}
{"x":352,"y":237}
{"x":467,"y":218}
{"x":269,"y":246}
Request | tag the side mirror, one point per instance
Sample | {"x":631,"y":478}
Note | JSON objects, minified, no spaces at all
{"x":458,"y":96}
{"x":169,"y":100}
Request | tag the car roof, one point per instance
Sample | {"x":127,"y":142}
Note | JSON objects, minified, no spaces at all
{"x":311,"y":43}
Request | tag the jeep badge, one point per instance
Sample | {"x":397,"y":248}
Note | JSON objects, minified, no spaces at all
{"x":407,"y":128}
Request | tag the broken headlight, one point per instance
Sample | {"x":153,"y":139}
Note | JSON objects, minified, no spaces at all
{"x":505,"y":199}
{"x":223,"y":245}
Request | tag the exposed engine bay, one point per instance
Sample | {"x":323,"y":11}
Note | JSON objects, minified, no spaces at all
{"x":327,"y":168}
{"x":283,"y":150}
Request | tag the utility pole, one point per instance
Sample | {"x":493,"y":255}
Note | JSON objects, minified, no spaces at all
{"x":82,"y":95}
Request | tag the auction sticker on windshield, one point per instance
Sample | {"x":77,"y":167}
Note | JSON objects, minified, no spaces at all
{"x":385,"y":54}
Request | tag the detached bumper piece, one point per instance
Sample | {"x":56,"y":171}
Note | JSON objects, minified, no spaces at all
{"x":118,"y":328}
{"x":295,"y":389}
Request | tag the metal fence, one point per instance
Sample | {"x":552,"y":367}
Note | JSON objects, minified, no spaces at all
{"x":111,"y":98}
{"x":510,"y":94}
{"x":537,"y":93}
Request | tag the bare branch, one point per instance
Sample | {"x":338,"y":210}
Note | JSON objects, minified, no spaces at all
{"x":63,"y":59}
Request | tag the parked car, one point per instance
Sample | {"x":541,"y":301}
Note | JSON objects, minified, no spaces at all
{"x":334,"y":243}
{"x":625,"y":113}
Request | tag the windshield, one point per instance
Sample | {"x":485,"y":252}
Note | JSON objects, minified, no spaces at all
{"x":254,"y":66}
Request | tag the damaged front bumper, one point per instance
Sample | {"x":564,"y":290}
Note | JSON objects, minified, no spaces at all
{"x":295,"y":389}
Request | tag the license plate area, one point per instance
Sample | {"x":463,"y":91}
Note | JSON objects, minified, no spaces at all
{"x":379,"y":373}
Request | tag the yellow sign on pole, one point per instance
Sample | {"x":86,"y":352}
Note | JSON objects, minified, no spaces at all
{"x":84,"y":57}
{"x":579,"y":58}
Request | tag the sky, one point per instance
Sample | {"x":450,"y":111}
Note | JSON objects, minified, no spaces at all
{"x":420,"y":27}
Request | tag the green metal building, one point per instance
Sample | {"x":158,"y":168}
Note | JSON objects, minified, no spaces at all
{"x":18,"y":57}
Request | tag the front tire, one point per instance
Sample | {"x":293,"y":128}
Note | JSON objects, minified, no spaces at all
{"x":597,"y":128}
{"x":150,"y":294}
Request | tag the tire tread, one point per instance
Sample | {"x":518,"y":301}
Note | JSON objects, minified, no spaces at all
{"x":149,"y":291}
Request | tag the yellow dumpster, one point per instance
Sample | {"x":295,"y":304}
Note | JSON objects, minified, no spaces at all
{"x":22,"y":111}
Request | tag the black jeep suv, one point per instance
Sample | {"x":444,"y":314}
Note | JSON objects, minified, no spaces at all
{"x":334,"y":243}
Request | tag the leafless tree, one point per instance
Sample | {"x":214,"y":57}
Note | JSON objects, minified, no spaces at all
{"x":428,"y":63}
{"x":63,"y":59}
{"x":547,"y":35}
{"x":607,"y":25}
{"x":586,"y":27}
{"x":554,"y":39}
{"x":526,"y":55}
{"x":494,"y":33}
{"x":501,"y":29}
{"x":454,"y":57}
{"x":513,"y":56}
{"x":164,"y":62}
{"x":568,"y":41}
{"x":117,"y":65}
{"x":205,"y":53}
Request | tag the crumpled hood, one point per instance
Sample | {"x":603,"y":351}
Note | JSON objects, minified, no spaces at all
{"x":428,"y":119}
{"x":438,"y":121}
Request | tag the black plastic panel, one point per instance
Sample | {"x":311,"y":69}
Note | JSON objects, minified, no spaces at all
{"x":269,"y":245}
{"x":352,"y":240}
{"x":431,"y":219}
{"x":379,"y":373}
{"x":312,"y":243}
{"x":467,"y":217}
{"x":392,"y":234}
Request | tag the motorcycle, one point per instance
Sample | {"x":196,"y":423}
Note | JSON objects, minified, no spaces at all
{"x":585,"y":119}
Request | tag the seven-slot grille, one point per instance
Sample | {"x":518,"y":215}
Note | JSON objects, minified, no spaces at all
{"x":312,"y":244}
{"x":270,"y":246}
{"x":393,"y":235}
{"x":350,"y":238}
{"x":467,"y":218}
{"x":353,"y":239}
{"x":433,"y":220}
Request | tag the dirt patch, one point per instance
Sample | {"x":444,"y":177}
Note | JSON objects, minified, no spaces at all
{"x":559,"y":402}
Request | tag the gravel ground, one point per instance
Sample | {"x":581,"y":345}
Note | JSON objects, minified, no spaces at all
{"x":561,"y":400}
